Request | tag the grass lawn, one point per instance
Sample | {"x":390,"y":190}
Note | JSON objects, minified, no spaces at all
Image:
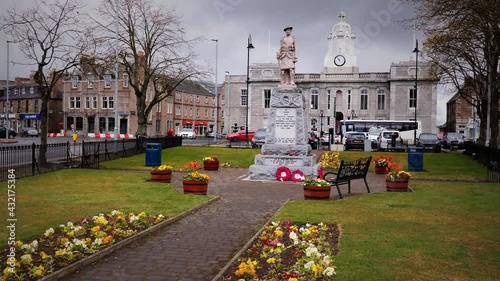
{"x":47,"y":200}
{"x":443,"y":231}
{"x":446,"y":230}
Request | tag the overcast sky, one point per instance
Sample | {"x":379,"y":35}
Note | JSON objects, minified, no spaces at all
{"x":380,"y":40}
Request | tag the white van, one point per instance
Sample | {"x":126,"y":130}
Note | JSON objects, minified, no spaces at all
{"x":385,"y":138}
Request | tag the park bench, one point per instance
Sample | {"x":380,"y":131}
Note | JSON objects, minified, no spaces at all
{"x":349,"y":171}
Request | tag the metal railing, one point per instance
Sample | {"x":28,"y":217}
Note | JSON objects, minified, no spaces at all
{"x":487,"y":156}
{"x":24,"y":160}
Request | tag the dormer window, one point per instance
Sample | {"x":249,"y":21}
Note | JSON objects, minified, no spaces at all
{"x":90,"y":81}
{"x":107,"y":81}
{"x":74,"y":82}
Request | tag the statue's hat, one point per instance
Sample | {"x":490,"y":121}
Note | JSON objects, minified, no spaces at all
{"x":287,"y":28}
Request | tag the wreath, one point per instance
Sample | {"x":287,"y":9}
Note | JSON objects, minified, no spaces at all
{"x":283,"y":173}
{"x":298,"y":176}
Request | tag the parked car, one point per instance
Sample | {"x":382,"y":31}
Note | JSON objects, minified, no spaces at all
{"x":385,"y":139}
{"x":429,"y":141}
{"x":259,"y":138}
{"x":355,"y":140}
{"x":373,"y":135}
{"x":325,"y":139}
{"x":453,"y":140}
{"x":187,"y":134}
{"x":346,"y":135}
{"x":211,"y":134}
{"x":3,"y":130}
{"x":312,"y":140}
{"x":29,"y":132}
{"x":240,"y":135}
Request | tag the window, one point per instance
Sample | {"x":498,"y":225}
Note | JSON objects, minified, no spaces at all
{"x":74,"y":102}
{"x":185,"y":111}
{"x":267,"y":98}
{"x":125,"y":80}
{"x":197,"y":112}
{"x":74,"y":82}
{"x":178,"y":96}
{"x":177,"y":110}
{"x":314,"y":99}
{"x":104,"y":102}
{"x":107,"y":81}
{"x":244,"y":97}
{"x":223,"y":99}
{"x":69,"y":122}
{"x":158,"y":126}
{"x":206,"y":112}
{"x":191,"y":111}
{"x":87,"y":102}
{"x":206,"y":100}
{"x":36,"y":105}
{"x":16,"y":91}
{"x":94,"y":102}
{"x":329,"y":99}
{"x":158,"y":107}
{"x":90,"y":81}
{"x":102,"y":124}
{"x":412,"y":98}
{"x":364,"y":100}
{"x":348,"y":99}
{"x":381,"y":100}
{"x":198,"y":99}
{"x":111,"y":103}
{"x":213,"y":113}
{"x":23,"y":91}
{"x":111,"y":123}
{"x":32,"y":90}
{"x":79,"y":123}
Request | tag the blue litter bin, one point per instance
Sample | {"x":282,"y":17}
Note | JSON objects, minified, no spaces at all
{"x":415,"y":159}
{"x":153,"y":154}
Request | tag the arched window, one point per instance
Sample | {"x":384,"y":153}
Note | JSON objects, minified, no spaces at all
{"x":364,"y":100}
{"x":314,"y":99}
{"x":381,"y":99}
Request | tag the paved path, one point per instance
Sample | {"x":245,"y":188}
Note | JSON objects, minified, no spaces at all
{"x":198,"y":246}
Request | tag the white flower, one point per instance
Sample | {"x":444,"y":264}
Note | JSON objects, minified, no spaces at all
{"x":97,"y":242}
{"x":274,"y":223}
{"x":311,"y":250}
{"x":329,"y":271}
{"x":70,"y":224}
{"x":115,"y":213}
{"x":133,"y":218}
{"x":308,"y":265}
{"x":26,"y":258}
{"x":50,"y":231}
{"x":327,"y":260}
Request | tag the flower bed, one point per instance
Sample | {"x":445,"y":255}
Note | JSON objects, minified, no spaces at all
{"x":284,"y":251}
{"x":56,"y":249}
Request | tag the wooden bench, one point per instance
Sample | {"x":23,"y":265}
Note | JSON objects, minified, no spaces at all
{"x":349,"y":171}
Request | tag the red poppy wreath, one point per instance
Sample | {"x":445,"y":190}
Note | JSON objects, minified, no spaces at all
{"x":283,"y":173}
{"x":298,"y":176}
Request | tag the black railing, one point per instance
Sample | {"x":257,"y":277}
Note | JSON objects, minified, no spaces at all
{"x":488,"y":157}
{"x":24,"y":160}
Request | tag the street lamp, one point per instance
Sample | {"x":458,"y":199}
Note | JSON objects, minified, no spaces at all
{"x":416,"y":51}
{"x":228,"y":114}
{"x":321,"y":121}
{"x":7,"y":113}
{"x":216,"y":103}
{"x":249,"y":46}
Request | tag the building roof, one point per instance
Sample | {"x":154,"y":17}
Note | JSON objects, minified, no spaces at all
{"x":193,"y":87}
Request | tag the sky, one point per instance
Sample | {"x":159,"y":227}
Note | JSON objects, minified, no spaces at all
{"x":380,"y":38}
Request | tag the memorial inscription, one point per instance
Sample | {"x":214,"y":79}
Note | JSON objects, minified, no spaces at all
{"x":286,"y":125}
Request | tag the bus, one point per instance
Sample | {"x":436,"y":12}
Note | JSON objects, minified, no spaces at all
{"x":406,"y":128}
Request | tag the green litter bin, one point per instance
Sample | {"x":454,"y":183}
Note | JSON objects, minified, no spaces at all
{"x":415,"y":159}
{"x":153,"y":154}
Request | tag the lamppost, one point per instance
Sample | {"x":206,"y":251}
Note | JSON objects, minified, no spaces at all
{"x":321,"y":121}
{"x":216,"y":103}
{"x":7,"y":112}
{"x":416,"y":51}
{"x":249,"y":46}
{"x":228,"y":113}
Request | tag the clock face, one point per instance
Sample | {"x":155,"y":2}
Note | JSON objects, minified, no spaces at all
{"x":339,"y":60}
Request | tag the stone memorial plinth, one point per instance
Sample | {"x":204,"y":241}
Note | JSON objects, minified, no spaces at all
{"x":286,"y":139}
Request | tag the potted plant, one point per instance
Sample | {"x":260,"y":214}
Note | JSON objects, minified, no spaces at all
{"x":194,"y":182}
{"x":211,"y":163}
{"x":382,"y":164}
{"x":162,"y":173}
{"x":397,"y":179}
{"x":316,"y":189}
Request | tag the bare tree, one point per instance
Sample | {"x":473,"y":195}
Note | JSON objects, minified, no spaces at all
{"x":463,"y":42}
{"x":49,"y":36}
{"x":154,"y":50}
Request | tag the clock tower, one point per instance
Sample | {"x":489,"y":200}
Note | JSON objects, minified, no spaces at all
{"x":340,"y":57}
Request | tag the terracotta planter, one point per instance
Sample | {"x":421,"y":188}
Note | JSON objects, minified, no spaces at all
{"x":317,"y":192}
{"x":381,"y":170}
{"x":161,"y":176}
{"x":397,"y":186}
{"x":195,"y":187}
{"x":211,"y":165}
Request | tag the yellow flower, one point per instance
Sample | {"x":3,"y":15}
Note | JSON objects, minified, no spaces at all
{"x":101,"y":221}
{"x":95,"y":229}
{"x":107,"y":239}
{"x":45,"y":256}
{"x":64,"y":240}
{"x":278,"y":233}
{"x":19,"y":243}
{"x":60,"y":252}
{"x":271,"y":260}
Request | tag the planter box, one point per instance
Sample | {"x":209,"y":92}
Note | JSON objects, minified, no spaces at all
{"x":317,"y":192}
{"x":161,"y":176}
{"x":211,"y":165}
{"x":195,"y":187}
{"x":397,"y":186}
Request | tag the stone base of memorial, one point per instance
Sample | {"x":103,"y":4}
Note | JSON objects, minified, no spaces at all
{"x":286,"y":141}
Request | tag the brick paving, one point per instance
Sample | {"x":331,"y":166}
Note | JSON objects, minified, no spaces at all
{"x":198,"y":246}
